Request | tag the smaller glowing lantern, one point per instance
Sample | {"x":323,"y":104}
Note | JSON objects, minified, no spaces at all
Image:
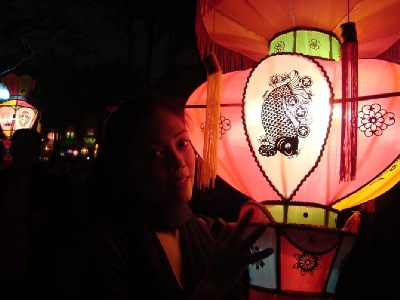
{"x":70,"y":133}
{"x":90,"y":138}
{"x":16,"y":113}
{"x":84,"y":151}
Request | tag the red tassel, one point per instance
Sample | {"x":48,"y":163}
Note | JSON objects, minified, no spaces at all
{"x":349,"y":57}
{"x":368,"y":206}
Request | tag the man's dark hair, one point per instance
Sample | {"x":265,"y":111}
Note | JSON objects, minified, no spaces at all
{"x":119,"y":126}
{"x":21,"y":134}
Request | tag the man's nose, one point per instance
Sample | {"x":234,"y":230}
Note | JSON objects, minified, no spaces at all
{"x":176,"y":160}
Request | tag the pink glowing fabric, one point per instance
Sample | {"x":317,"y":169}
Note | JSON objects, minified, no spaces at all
{"x":310,"y":173}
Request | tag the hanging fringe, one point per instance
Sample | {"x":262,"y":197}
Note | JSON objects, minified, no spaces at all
{"x":199,"y":167}
{"x":229,"y":60}
{"x":391,"y":54}
{"x":368,"y":206}
{"x":208,"y":167}
{"x":265,"y":295}
{"x":349,"y":57}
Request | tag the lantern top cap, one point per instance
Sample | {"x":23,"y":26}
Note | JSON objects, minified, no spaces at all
{"x":19,"y":87}
{"x":349,"y":33}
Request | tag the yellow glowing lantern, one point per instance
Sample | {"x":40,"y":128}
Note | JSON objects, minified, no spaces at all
{"x":70,"y":135}
{"x":84,"y":151}
{"x":285,"y":109}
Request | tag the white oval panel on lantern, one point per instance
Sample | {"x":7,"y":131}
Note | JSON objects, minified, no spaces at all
{"x":287,"y":113}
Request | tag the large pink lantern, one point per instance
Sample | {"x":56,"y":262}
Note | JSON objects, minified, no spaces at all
{"x":281,"y":127}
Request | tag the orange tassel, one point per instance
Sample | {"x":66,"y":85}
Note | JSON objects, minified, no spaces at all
{"x":208,"y":168}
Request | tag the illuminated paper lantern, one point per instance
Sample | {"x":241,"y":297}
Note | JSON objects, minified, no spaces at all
{"x":244,"y":33}
{"x":309,"y":250}
{"x":90,"y":137}
{"x":279,"y":144}
{"x":16,"y":113}
{"x":281,"y":128}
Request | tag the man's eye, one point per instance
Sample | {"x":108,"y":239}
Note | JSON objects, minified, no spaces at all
{"x":184,"y":143}
{"x":154,"y":153}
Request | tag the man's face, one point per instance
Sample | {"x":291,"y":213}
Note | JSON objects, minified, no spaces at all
{"x":162,"y":160}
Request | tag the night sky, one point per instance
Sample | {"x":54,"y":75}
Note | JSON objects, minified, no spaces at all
{"x":86,"y":55}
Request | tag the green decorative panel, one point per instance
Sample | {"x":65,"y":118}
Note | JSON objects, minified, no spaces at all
{"x":308,"y":42}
